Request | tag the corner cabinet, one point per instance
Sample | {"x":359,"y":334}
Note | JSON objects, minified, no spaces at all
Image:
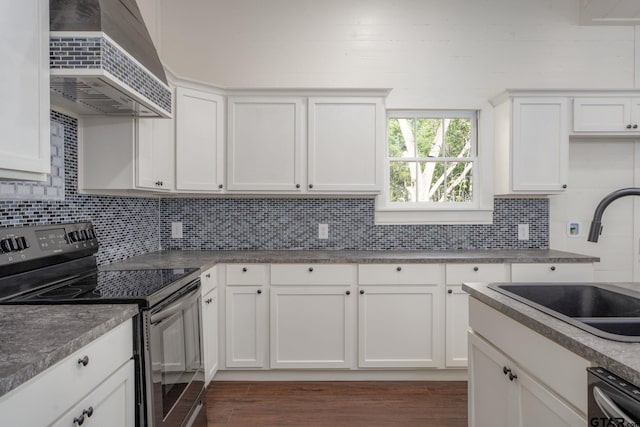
{"x":209,"y":280}
{"x":199,"y":141}
{"x":531,"y":144}
{"x":24,"y":107}
{"x":123,"y":153}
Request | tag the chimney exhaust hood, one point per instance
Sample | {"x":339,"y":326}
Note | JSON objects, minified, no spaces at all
{"x":103,"y":62}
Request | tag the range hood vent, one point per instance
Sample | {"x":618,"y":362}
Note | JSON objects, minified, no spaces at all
{"x":103,"y":61}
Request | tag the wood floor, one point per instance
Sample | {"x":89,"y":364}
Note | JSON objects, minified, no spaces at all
{"x":352,"y":404}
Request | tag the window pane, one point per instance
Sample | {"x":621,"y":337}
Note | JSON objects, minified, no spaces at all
{"x":402,"y":182}
{"x":430,"y":137}
{"x":457,"y":137}
{"x":459,"y":182}
{"x":430,"y":181}
{"x":401,"y":137}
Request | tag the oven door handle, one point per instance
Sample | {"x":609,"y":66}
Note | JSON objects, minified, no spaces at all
{"x":609,"y":408}
{"x":175,"y":308}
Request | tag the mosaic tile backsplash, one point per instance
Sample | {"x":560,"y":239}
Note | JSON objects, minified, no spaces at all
{"x":230,"y":224}
{"x":125,"y":226}
{"x":131,"y":226}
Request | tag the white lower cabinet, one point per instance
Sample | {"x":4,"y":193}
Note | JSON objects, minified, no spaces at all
{"x":400,"y":326}
{"x":111,"y":404}
{"x":312,"y":327}
{"x":457,"y":306}
{"x":547,"y":272}
{"x":247,"y":326}
{"x":94,"y":384}
{"x":501,"y":394}
{"x":209,"y":281}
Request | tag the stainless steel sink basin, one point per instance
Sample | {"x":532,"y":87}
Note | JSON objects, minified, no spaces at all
{"x":604,"y":310}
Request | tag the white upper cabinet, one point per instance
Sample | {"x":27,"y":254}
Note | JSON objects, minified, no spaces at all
{"x":346,"y":143}
{"x":306,"y":142}
{"x":155,"y":145}
{"x":24,"y":107}
{"x":199,"y":141}
{"x":531,"y":145}
{"x":123,"y":153}
{"x":265,"y":143}
{"x":610,"y":115}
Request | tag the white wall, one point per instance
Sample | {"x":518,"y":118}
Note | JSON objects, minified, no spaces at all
{"x":597,"y":167}
{"x":433,"y":53}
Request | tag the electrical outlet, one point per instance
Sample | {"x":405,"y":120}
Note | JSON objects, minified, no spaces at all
{"x":523,"y":231}
{"x":323,"y":231}
{"x":176,"y":230}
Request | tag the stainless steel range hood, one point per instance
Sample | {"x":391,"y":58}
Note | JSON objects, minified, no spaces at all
{"x":103,"y":60}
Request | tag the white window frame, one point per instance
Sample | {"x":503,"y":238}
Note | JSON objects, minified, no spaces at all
{"x":478,"y":211}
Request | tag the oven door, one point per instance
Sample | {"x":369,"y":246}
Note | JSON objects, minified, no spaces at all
{"x":176,"y":378}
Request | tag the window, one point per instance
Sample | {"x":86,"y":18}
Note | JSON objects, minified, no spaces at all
{"x":432,"y":165}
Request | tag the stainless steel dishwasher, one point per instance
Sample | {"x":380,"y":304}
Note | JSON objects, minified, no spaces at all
{"x":613,"y":401}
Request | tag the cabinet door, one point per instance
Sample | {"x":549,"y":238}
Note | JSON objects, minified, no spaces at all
{"x":540,"y":138}
{"x":210,"y":334}
{"x":400,"y":326}
{"x":539,"y":407}
{"x":456,"y":326}
{"x":492,"y":396}
{"x":246,"y":326}
{"x":346,"y":144}
{"x":265,"y":143}
{"x":155,"y":159}
{"x":111,"y":404}
{"x":24,"y":107}
{"x":457,"y":305}
{"x":312,"y":327}
{"x":602,"y":114}
{"x":199,"y":140}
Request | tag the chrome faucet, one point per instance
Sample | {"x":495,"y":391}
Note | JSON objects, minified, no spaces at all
{"x":596,"y":227}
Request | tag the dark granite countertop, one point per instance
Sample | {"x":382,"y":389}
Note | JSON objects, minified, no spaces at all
{"x":618,"y":357}
{"x":207,"y":259}
{"x":35,"y":337}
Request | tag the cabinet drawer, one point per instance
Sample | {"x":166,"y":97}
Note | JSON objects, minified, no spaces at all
{"x":246,"y":274}
{"x":400,"y":274}
{"x":105,"y":355}
{"x":458,"y":273}
{"x":552,"y":272}
{"x":209,"y":280}
{"x":312,"y":274}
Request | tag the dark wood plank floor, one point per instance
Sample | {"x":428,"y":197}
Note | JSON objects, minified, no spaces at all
{"x":352,"y":404}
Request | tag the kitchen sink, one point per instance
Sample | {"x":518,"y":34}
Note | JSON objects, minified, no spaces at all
{"x":604,"y":310}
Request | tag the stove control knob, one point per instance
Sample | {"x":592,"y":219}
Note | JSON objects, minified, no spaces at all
{"x":22,"y":243}
{"x":73,"y":236}
{"x":91,"y":233}
{"x":8,"y":245}
{"x":83,"y":235}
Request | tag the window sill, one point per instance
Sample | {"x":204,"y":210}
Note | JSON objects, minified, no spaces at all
{"x":398,"y":216}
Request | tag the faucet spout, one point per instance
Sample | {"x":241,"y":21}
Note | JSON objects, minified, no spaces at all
{"x":596,"y":224}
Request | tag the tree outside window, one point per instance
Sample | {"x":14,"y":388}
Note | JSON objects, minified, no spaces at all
{"x":431,"y":157}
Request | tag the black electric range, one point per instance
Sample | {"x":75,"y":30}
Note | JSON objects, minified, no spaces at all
{"x":56,"y":264}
